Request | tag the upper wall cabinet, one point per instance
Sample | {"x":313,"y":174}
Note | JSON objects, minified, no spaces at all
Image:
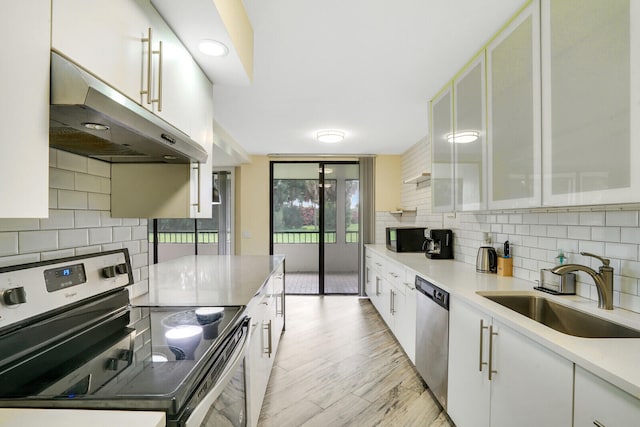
{"x":513,"y":131}
{"x":591,"y":92}
{"x":132,"y":49}
{"x":469,"y":138}
{"x":442,"y":154}
{"x":24,"y":155}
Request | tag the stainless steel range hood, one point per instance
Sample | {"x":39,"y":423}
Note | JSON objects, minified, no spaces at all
{"x":81,"y":105}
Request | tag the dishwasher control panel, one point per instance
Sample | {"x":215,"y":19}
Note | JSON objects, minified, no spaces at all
{"x":437,"y":295}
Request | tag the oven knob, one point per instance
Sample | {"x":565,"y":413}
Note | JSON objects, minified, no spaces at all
{"x":14,"y":296}
{"x":122,"y":268}
{"x":109,"y":272}
{"x":112,"y":364}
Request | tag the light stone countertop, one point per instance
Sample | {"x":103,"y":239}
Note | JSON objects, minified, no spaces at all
{"x":208,"y":280}
{"x":613,"y":359}
{"x":30,"y":417}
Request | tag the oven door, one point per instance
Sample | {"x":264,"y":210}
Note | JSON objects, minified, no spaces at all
{"x":226,"y":402}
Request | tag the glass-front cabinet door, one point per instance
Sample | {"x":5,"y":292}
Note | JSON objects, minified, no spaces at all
{"x":442,"y":160}
{"x":591,"y":88}
{"x":469,"y":137}
{"x":513,"y":128}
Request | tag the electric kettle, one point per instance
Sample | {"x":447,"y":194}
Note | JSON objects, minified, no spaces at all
{"x":487,"y":260}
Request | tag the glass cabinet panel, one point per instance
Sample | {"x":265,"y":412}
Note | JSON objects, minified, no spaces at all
{"x":588,"y":88}
{"x":442,"y":152}
{"x":513,"y":132}
{"x":469,"y":138}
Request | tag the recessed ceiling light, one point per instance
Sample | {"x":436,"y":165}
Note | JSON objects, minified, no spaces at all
{"x":330,"y":135}
{"x":464,"y":137}
{"x":213,"y":48}
{"x":95,"y":126}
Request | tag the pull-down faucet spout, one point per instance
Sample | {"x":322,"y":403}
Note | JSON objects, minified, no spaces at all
{"x":603,"y":279}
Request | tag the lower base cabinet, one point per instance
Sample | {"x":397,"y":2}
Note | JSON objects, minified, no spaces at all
{"x":599,"y":403}
{"x":389,"y":286}
{"x":267,"y":323}
{"x":500,"y":378}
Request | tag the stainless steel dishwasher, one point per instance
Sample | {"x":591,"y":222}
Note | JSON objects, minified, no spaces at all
{"x":432,"y":337}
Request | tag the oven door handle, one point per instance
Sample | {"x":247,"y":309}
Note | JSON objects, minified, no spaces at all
{"x":198,"y":414}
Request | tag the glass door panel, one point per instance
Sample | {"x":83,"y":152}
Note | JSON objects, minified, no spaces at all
{"x":295,"y":222}
{"x":341,"y":218}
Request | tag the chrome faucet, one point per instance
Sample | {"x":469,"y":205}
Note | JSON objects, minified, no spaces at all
{"x":603,"y":279}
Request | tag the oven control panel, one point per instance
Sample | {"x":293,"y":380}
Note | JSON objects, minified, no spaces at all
{"x":29,"y":290}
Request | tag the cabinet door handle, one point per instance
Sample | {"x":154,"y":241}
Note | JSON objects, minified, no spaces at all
{"x":198,"y":167}
{"x":377,"y":286}
{"x":391,"y":301}
{"x":268,"y":349}
{"x":147,"y":91}
{"x":598,"y":423}
{"x":482,"y":328}
{"x":491,"y":335}
{"x":159,"y":98}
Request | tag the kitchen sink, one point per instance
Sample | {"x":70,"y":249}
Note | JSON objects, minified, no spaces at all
{"x":562,"y":318}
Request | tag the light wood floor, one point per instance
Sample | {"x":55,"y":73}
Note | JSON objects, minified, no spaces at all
{"x":339,"y":365}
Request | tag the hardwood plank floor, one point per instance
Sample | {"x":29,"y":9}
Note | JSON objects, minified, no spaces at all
{"x":339,"y":365}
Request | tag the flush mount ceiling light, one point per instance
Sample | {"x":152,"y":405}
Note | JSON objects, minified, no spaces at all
{"x":95,"y":126}
{"x":330,"y":135}
{"x":213,"y":48}
{"x":463,"y":137}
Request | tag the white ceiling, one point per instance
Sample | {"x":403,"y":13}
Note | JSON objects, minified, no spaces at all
{"x":368,"y":67}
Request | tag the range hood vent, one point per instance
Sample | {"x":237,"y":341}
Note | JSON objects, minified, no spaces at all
{"x":92,"y":119}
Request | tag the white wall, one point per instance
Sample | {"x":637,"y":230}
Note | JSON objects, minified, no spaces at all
{"x":536,"y":235}
{"x":79,"y":221}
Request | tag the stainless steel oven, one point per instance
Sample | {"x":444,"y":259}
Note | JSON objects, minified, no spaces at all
{"x":69,"y":338}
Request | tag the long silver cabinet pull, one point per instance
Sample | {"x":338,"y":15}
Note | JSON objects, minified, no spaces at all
{"x":147,"y":91}
{"x":491,"y":335}
{"x":267,"y":327}
{"x":391,"y":308}
{"x":482,"y":328}
{"x":198,"y":167}
{"x":377,"y":286}
{"x":159,"y":98}
{"x":598,"y":423}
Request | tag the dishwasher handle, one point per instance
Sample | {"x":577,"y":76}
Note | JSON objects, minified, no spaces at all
{"x":434,"y":293}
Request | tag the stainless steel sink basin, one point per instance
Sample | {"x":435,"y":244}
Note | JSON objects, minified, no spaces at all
{"x":562,"y":318}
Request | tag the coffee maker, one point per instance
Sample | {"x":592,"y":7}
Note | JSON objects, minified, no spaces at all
{"x":439,"y":244}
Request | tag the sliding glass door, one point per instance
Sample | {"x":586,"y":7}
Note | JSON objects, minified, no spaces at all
{"x":314,"y":223}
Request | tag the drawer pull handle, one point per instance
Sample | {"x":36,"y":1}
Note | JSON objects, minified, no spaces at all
{"x":482,"y":328}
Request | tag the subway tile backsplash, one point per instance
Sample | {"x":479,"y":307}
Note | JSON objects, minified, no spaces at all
{"x":79,"y":221}
{"x":536,"y":236}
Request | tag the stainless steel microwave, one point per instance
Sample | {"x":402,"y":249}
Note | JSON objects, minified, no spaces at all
{"x":405,"y":239}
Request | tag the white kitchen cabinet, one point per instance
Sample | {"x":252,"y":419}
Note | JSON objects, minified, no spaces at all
{"x":405,"y":316}
{"x":590,"y":65}
{"x":24,"y":152}
{"x":496,"y":375}
{"x":513,"y":113}
{"x":599,"y":403}
{"x":442,"y":154}
{"x":390,"y":288}
{"x":469,"y":113}
{"x":267,"y":312}
{"x":258,"y":369}
{"x":112,"y":48}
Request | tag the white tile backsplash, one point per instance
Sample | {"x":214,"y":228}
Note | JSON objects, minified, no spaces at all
{"x":8,"y":244}
{"x":88,"y":219}
{"x":68,"y":199}
{"x":79,"y":220}
{"x":536,"y":236}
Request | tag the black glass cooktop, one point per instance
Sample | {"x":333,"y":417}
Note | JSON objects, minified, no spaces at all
{"x":155,"y":362}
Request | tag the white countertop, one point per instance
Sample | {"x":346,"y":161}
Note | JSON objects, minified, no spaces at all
{"x":208,"y":279}
{"x":613,"y":359}
{"x":29,"y":417}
